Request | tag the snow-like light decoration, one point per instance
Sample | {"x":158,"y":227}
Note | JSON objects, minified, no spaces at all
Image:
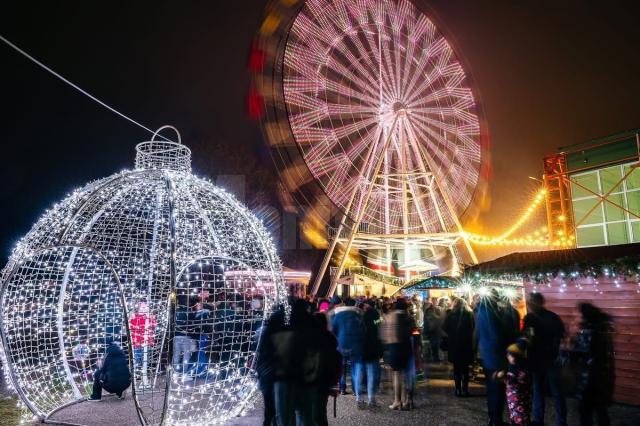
{"x":142,"y":258}
{"x":355,"y":72}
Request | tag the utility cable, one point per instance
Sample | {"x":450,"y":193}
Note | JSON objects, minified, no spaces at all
{"x":75,"y":86}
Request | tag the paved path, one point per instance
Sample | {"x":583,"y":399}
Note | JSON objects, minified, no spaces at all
{"x":435,"y":405}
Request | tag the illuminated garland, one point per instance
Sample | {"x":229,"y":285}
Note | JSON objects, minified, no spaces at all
{"x":115,"y":261}
{"x":539,"y":238}
{"x":582,"y":276}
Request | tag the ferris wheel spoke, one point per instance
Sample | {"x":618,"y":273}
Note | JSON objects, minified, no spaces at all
{"x":427,"y":57}
{"x":462,"y":115}
{"x":420,"y":33}
{"x":371,"y":53}
{"x":385,"y":86}
{"x":338,"y":88}
{"x":387,"y":61}
{"x":428,"y":138}
{"x":345,"y":72}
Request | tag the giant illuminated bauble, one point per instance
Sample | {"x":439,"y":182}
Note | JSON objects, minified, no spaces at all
{"x":117,"y":260}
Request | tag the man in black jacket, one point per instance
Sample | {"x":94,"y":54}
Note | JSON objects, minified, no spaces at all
{"x":114,"y":376}
{"x":546,"y":330}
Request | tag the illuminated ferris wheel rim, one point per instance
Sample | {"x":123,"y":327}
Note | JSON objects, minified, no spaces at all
{"x":321,"y":97}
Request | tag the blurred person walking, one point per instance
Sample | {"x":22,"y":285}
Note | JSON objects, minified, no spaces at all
{"x":545,"y":331}
{"x":347,"y":324}
{"x":432,"y":328}
{"x":459,"y":325}
{"x":372,"y":351}
{"x":331,"y":364}
{"x":266,"y":363}
{"x":396,"y":336}
{"x":496,"y":329}
{"x":594,"y":348}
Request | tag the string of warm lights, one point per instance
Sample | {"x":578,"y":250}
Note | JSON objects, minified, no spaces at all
{"x":539,"y":238}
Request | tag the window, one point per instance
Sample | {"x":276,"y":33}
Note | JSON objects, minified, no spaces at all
{"x":611,"y":221}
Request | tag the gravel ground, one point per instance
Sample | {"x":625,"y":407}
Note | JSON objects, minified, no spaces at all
{"x":434,"y":400}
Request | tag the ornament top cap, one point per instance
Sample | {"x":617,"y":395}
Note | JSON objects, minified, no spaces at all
{"x":163,"y":154}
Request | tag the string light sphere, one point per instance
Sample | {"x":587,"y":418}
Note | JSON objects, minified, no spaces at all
{"x":141,"y":258}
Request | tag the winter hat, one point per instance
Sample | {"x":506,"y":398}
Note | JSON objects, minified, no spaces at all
{"x":519,"y":348}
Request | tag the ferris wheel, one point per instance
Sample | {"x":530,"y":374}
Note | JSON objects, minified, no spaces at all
{"x":383,"y":116}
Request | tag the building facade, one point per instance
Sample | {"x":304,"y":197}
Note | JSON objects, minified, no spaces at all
{"x":593,"y":191}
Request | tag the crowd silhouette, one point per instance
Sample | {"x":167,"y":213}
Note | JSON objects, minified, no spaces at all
{"x":323,"y":348}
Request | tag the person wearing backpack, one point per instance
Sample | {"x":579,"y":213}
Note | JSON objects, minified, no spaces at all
{"x":545,"y":331}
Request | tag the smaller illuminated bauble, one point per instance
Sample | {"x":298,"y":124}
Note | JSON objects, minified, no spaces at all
{"x":164,"y":263}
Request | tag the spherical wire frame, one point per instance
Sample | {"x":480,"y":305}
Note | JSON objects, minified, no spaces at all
{"x":145,"y":224}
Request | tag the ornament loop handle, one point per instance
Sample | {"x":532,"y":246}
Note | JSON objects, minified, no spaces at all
{"x":166,"y":126}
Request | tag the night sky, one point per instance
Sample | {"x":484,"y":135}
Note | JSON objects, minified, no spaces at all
{"x":547,"y":75}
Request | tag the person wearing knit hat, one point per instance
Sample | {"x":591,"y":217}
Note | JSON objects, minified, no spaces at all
{"x":517,"y":379}
{"x":519,"y":348}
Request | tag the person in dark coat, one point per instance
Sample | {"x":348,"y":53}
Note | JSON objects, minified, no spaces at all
{"x":331,"y":365}
{"x":113,"y":376}
{"x":432,"y":328}
{"x":497,"y":326}
{"x":594,"y":348}
{"x":372,"y":351}
{"x":545,"y":331}
{"x":266,"y":363}
{"x":459,"y":326}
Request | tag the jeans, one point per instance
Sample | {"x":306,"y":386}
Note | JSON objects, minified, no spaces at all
{"x":549,"y":377}
{"x":355,"y":370}
{"x":138,"y":357}
{"x":372,"y":371}
{"x":183,"y":347}
{"x":202,"y":363}
{"x":496,"y":396}
{"x":294,"y":403}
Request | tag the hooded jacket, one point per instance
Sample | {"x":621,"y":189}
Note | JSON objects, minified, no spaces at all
{"x":115,"y":372}
{"x":348,"y":326}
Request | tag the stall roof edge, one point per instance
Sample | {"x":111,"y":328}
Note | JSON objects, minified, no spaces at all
{"x":527,"y":261}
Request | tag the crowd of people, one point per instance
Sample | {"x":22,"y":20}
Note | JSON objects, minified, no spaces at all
{"x":305,"y":356}
{"x":307,"y":350}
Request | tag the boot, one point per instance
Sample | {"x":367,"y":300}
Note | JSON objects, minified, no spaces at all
{"x":465,"y":389}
